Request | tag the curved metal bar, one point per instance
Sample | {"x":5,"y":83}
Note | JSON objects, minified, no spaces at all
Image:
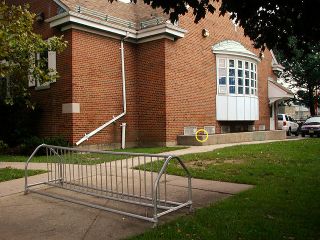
{"x":189,"y":181}
{"x":29,"y":159}
{"x":156,"y":183}
{"x":155,"y":187}
{"x":26,"y":167}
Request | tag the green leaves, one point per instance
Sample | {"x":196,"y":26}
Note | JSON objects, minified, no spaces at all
{"x":302,"y":71}
{"x":18,"y":43}
{"x":268,"y":23}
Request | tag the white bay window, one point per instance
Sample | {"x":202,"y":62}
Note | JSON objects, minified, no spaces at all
{"x":237,"y":82}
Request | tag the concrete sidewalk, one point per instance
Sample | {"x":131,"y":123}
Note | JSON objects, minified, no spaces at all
{"x":34,"y":216}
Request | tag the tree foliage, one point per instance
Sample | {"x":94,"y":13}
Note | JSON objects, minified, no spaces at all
{"x":291,"y":26}
{"x":267,"y":22}
{"x":302,"y":71}
{"x":18,"y":46}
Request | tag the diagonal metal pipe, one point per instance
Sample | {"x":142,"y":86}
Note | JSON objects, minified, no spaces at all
{"x":89,"y":135}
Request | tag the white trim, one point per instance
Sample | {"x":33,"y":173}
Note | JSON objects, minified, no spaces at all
{"x":160,"y":29}
{"x":234,"y":53}
{"x":110,"y":35}
{"x":274,"y":58}
{"x":61,"y":4}
{"x":61,"y":15}
{"x":44,"y":86}
{"x":52,"y":64}
{"x":95,"y":24}
{"x":276,"y":66}
{"x":230,"y":47}
{"x":276,"y":93}
{"x":153,"y":38}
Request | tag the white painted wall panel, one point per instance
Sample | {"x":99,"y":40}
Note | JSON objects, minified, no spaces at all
{"x":232,"y":108}
{"x":247,"y":108}
{"x":237,"y":108}
{"x":222,"y":108}
{"x":240,"y":108}
{"x":252,"y":108}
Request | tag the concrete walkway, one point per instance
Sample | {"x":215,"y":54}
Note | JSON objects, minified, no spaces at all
{"x":208,"y":148}
{"x":34,"y":216}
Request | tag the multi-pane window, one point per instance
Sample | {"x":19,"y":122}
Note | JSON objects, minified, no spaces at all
{"x":49,"y":61}
{"x":222,"y":75}
{"x":237,"y":76}
{"x":232,"y":77}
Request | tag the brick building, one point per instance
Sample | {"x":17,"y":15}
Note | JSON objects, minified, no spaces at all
{"x":177,"y":77}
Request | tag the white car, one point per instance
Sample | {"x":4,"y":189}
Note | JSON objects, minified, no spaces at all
{"x":288,"y":124}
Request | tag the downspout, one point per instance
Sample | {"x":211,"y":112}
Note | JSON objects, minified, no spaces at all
{"x":87,"y":136}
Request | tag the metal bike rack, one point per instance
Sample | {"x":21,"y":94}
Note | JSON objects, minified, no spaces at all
{"x":130,"y":179}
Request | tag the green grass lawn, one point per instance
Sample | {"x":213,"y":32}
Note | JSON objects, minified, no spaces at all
{"x":7,"y":174}
{"x":285,"y":204}
{"x":93,"y":158}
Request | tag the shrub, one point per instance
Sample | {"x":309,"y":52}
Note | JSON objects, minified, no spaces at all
{"x":18,"y":122}
{"x":31,"y":143}
{"x":3,"y":147}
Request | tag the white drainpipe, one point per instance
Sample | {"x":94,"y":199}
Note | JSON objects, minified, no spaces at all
{"x":123,"y":135}
{"x":87,"y":136}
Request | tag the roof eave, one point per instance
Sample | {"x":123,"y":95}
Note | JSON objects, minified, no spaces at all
{"x":62,"y":5}
{"x":70,"y":17}
{"x":278,"y":67}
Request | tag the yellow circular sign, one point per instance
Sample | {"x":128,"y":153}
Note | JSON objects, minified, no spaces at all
{"x":205,"y":132}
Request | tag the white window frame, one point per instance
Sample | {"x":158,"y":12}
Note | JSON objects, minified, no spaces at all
{"x":52,"y":64}
{"x":253,"y":75}
{"x":45,"y":85}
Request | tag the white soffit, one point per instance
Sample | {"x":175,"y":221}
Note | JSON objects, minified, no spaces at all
{"x":166,"y":29}
{"x":230,"y":47}
{"x":277,"y":92}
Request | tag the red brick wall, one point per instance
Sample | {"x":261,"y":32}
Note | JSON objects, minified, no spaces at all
{"x":151,"y":93}
{"x":97,"y":86}
{"x":53,"y":122}
{"x":191,"y":75}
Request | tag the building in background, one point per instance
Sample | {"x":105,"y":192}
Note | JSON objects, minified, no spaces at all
{"x":178,"y":77}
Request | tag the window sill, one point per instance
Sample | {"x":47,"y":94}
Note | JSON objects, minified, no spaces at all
{"x":43,"y":87}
